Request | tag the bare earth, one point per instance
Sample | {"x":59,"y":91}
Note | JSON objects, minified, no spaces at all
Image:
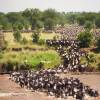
{"x":12,"y":91}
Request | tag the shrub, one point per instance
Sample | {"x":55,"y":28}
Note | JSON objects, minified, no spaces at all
{"x":17,"y":35}
{"x":1,"y":56}
{"x":24,"y":41}
{"x":55,"y":38}
{"x":10,"y":65}
{"x":41,"y":41}
{"x":92,"y":59}
{"x":5,"y":46}
{"x":88,"y":24}
{"x":39,"y":24}
{"x":49,"y":24}
{"x":86,"y":38}
{"x":35,"y":37}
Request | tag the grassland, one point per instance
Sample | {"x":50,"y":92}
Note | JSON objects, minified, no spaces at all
{"x":9,"y":37}
{"x":13,"y":59}
{"x":94,"y":62}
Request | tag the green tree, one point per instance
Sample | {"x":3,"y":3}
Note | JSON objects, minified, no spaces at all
{"x":88,"y":24}
{"x":39,"y":24}
{"x":17,"y":35}
{"x":20,"y":26}
{"x":5,"y":24}
{"x":13,"y":17}
{"x":73,"y":18}
{"x":35,"y":36}
{"x":15,"y":27}
{"x":97,"y":21}
{"x":49,"y":24}
{"x":86,"y":38}
{"x":33,"y":15}
{"x":81,"y":20}
{"x":49,"y":13}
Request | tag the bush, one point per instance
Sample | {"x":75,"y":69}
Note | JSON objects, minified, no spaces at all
{"x":39,"y":24}
{"x":1,"y":56}
{"x":17,"y":35}
{"x":49,"y":24}
{"x":88,"y":24}
{"x":10,"y":65}
{"x":41,"y":41}
{"x":55,"y":38}
{"x":5,"y":46}
{"x":86,"y":38}
{"x":35,"y":37}
{"x":24,"y":41}
{"x":92,"y":59}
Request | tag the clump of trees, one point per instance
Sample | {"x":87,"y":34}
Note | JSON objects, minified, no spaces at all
{"x":86,"y":38}
{"x":48,"y":19}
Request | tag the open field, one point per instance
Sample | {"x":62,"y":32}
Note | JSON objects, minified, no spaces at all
{"x":11,"y":44}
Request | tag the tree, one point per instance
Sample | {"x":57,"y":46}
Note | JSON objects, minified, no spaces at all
{"x":97,"y":21}
{"x":49,"y":13}
{"x":72,"y":18}
{"x":33,"y":15}
{"x":20,"y":26}
{"x":86,"y":38}
{"x":35,"y":36}
{"x":17,"y":35}
{"x":90,"y":16}
{"x":49,"y":24}
{"x":26,"y":26}
{"x":81,"y":20}
{"x":15,"y":27}
{"x":4,"y":22}
{"x":88,"y":24}
{"x":13,"y":17}
{"x":39,"y":24}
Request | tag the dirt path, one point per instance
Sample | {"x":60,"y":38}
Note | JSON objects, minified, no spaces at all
{"x":12,"y":91}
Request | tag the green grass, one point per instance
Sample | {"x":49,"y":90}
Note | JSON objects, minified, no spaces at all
{"x":33,"y":57}
{"x":94,"y":61}
{"x":11,"y":44}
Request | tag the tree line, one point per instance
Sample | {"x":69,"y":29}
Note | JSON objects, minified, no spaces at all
{"x":48,"y":19}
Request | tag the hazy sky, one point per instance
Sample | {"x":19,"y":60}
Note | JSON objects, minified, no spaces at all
{"x":60,"y":5}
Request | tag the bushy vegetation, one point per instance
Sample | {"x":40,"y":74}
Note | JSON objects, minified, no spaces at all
{"x":85,"y":38}
{"x":35,"y":37}
{"x":41,"y":42}
{"x":13,"y":59}
{"x":24,"y":41}
{"x":17,"y":36}
{"x":88,"y":24}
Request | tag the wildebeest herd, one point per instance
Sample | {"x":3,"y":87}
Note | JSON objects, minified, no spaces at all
{"x":49,"y":81}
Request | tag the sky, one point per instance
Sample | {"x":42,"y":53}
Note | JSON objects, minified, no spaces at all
{"x":59,"y":5}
